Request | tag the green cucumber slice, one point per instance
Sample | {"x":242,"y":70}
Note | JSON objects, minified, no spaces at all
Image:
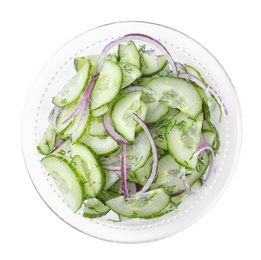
{"x":130,"y":73}
{"x":129,"y":53}
{"x":92,"y":168}
{"x":96,"y":127}
{"x":121,"y":114}
{"x":155,"y":112}
{"x":66,"y":179}
{"x":152,"y":64}
{"x":74,"y":88}
{"x":183,"y":137}
{"x":94,"y":208}
{"x":177,"y":93}
{"x":101,"y":145}
{"x":100,"y":111}
{"x":107,"y":86}
{"x":80,"y":61}
{"x":47,"y":141}
{"x":139,"y":152}
{"x":140,"y":206}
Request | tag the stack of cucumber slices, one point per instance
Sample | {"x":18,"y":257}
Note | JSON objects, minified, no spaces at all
{"x":132,"y":132}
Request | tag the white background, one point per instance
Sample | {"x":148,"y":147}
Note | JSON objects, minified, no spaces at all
{"x":31,"y":31}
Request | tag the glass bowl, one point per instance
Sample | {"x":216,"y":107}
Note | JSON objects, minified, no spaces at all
{"x":56,"y":73}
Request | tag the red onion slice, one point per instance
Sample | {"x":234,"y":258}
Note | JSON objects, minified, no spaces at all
{"x":154,"y":154}
{"x":124,"y":171}
{"x":110,"y":130}
{"x":139,"y":37}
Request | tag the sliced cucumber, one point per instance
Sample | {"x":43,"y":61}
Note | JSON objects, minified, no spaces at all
{"x":177,"y":93}
{"x":92,"y":167}
{"x":183,"y":137}
{"x":142,"y":174}
{"x":102,"y":145}
{"x":96,"y":127}
{"x":139,"y":152}
{"x":111,"y":178}
{"x":211,"y":135}
{"x":100,"y":111}
{"x":121,"y":114}
{"x":108,"y":195}
{"x":74,"y":88}
{"x":169,"y":175}
{"x":130,"y":73}
{"x":79,"y":125}
{"x":80,"y":61}
{"x":155,"y":112}
{"x":47,"y":141}
{"x":152,"y":64}
{"x":66,"y":179}
{"x":59,"y":125}
{"x":107,"y":86}
{"x":141,"y":112}
{"x":94,"y":208}
{"x":140,"y":206}
{"x":129,"y":53}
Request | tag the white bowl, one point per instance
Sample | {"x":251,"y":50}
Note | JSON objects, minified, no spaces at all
{"x":56,"y":73}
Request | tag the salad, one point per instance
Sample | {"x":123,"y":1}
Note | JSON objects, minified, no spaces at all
{"x":133,"y":132}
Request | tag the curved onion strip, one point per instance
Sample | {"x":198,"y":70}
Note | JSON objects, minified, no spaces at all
{"x":83,"y":99}
{"x":154,"y":154}
{"x":140,"y":88}
{"x":200,"y":149}
{"x":110,"y":130}
{"x":139,"y":37}
{"x":124,"y":171}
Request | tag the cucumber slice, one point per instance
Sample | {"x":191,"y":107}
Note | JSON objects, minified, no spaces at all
{"x":140,"y":206}
{"x":96,"y":127}
{"x":211,"y":135}
{"x":177,"y":93}
{"x":94,"y":208}
{"x":111,"y":178}
{"x":129,"y":53}
{"x":152,"y":64}
{"x":155,"y":112}
{"x":91,"y":166}
{"x":169,"y":175}
{"x":74,"y":88}
{"x":141,"y":112}
{"x":65,"y":112}
{"x":100,"y":111}
{"x":142,"y":174}
{"x":139,"y":152}
{"x":79,"y":125}
{"x":183,"y":137}
{"x":102,"y":145}
{"x":107,"y":86}
{"x":121,"y":114}
{"x":107,"y":195}
{"x":130,"y":73}
{"x":66,"y":179}
{"x":80,"y":61}
{"x":47,"y":141}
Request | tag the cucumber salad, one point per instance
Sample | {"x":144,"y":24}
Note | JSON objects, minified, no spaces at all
{"x":132,"y":132}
